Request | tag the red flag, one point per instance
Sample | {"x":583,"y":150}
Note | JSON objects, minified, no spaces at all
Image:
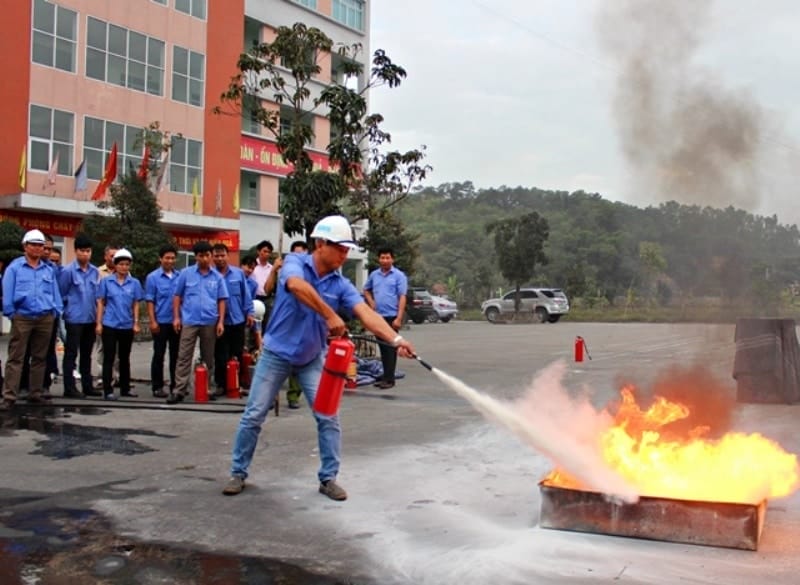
{"x":144,"y":168}
{"x":108,"y":176}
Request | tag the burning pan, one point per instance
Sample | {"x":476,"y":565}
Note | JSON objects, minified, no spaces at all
{"x":707,"y":523}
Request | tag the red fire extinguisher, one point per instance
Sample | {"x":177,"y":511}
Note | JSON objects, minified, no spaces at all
{"x":200,"y":382}
{"x":232,"y":378}
{"x":334,"y":374}
{"x":580,"y":349}
{"x":244,"y":372}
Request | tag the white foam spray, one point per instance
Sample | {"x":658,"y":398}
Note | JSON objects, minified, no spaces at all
{"x":547,"y":419}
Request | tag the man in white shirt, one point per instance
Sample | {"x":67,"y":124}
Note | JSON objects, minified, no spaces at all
{"x":260,"y":275}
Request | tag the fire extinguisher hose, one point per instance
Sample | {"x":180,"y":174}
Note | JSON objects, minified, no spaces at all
{"x":425,"y":364}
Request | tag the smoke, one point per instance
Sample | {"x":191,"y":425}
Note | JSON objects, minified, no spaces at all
{"x":685,"y":135}
{"x":560,"y":427}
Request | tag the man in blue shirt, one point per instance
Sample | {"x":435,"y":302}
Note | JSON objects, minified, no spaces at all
{"x":32,"y":301}
{"x":311,"y":290}
{"x":159,"y":288}
{"x":78,"y":284}
{"x":238,"y":315}
{"x":385,"y":292}
{"x":198,"y":312}
{"x":118,"y":300}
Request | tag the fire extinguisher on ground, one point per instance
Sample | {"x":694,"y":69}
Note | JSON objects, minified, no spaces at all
{"x":232,"y":378}
{"x":200,"y":382}
{"x":334,"y":374}
{"x":580,"y":349}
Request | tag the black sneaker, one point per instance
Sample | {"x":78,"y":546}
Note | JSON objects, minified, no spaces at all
{"x":92,"y":393}
{"x":294,"y":404}
{"x":333,"y":490}
{"x":160,"y":394}
{"x":110,"y":396}
{"x":175,"y":398}
{"x":73,"y":394}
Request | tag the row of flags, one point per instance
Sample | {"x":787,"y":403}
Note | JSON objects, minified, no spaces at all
{"x":110,"y":174}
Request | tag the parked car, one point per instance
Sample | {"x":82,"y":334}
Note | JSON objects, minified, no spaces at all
{"x":419,"y":305}
{"x":548,"y":304}
{"x":444,"y":308}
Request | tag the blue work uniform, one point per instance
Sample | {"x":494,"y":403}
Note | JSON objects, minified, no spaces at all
{"x":159,"y":289}
{"x":30,"y":292}
{"x":119,"y":299}
{"x":79,"y":290}
{"x":386,"y":289}
{"x":200,"y":293}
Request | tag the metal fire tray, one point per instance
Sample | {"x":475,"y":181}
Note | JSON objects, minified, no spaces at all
{"x":707,"y":523}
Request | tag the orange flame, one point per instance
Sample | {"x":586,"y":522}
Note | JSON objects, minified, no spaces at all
{"x":737,"y":467}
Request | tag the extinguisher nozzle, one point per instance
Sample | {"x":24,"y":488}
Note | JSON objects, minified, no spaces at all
{"x":423,"y":362}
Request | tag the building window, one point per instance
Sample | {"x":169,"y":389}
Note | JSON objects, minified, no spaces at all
{"x":187,"y":76}
{"x":184,"y":259}
{"x":164,"y":2}
{"x":50,"y":133}
{"x":250,"y":122}
{"x":349,"y":12}
{"x":99,"y":137}
{"x":196,"y":8}
{"x":249,"y":193}
{"x":123,"y":57}
{"x":54,"y":35}
{"x":252,"y":34}
{"x":287,"y":119}
{"x":308,"y":3}
{"x":186,"y":161}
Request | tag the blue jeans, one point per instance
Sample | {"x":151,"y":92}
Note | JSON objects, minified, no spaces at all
{"x":270,"y":374}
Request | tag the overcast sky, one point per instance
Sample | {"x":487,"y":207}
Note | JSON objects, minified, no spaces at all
{"x":539,"y":93}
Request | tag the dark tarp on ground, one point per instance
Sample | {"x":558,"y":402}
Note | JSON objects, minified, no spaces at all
{"x":765,"y":366}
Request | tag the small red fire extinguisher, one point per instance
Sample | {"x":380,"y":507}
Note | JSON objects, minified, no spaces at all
{"x":232,"y":378}
{"x":580,"y":349}
{"x":334,"y":374}
{"x":200,"y":382}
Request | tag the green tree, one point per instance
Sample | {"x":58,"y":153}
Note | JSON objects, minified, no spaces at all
{"x":368,"y":179}
{"x":519,"y":245}
{"x":10,"y":241}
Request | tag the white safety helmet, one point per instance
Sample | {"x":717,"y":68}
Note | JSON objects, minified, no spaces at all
{"x":336,"y":229}
{"x":259,"y":309}
{"x":122,"y":254}
{"x":33,"y":237}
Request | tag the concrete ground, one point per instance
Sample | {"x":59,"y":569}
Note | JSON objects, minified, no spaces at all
{"x":437,"y":493}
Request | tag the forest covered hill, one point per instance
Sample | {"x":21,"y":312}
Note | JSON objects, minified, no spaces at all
{"x":600,"y":251}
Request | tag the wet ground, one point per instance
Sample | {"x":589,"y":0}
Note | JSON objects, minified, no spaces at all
{"x":45,"y":545}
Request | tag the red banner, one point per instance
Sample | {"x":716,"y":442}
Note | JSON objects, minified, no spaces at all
{"x":54,"y":225}
{"x":263,"y":156}
{"x":65,"y":226}
{"x":185,"y":240}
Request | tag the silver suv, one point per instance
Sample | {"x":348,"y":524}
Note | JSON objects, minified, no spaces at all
{"x":548,"y":304}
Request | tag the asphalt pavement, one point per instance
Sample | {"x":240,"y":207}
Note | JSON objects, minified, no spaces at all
{"x":437,"y":494}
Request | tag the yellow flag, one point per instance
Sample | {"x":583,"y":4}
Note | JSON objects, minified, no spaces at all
{"x":236,"y":199}
{"x":195,"y":197}
{"x":23,"y":168}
